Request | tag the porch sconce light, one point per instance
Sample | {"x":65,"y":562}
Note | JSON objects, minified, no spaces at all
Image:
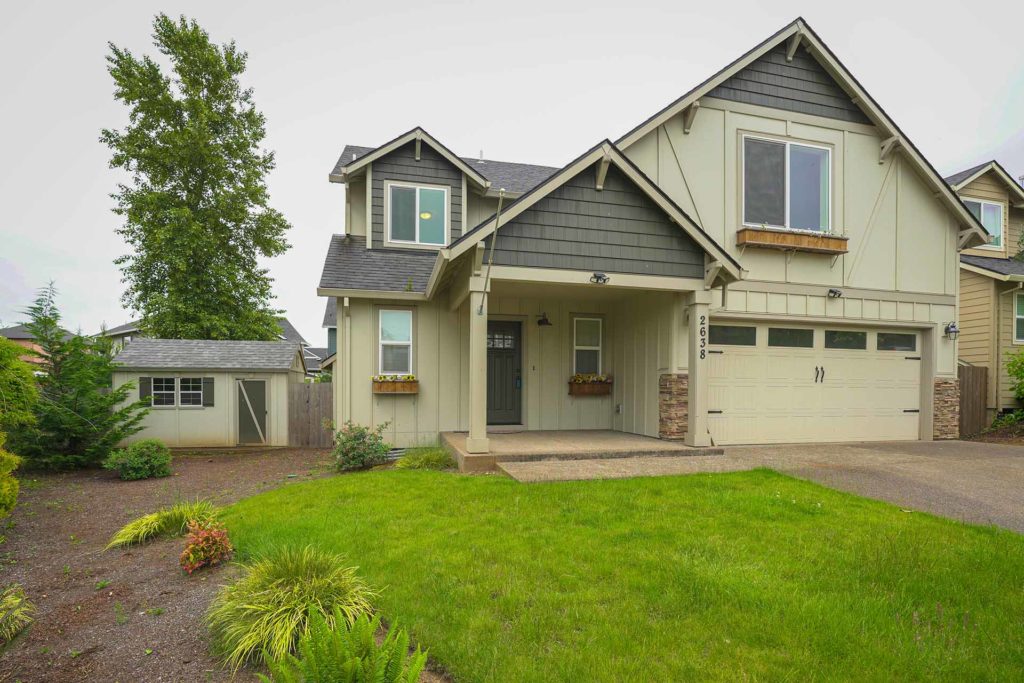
{"x":543,"y":320}
{"x":599,"y":279}
{"x":952,"y":331}
{"x":834,"y":293}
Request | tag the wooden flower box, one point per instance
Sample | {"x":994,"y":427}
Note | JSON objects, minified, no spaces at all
{"x":402,"y":387}
{"x":768,"y":238}
{"x":590,"y":388}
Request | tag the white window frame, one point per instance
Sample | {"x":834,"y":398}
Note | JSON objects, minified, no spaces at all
{"x":182,"y":392}
{"x":418,"y":186}
{"x":787,"y":144}
{"x":173,"y":392}
{"x":576,"y":347}
{"x":381,"y":343}
{"x":1016,"y":317}
{"x":1002,"y":222}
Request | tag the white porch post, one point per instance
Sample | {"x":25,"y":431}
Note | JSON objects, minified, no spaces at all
{"x":477,"y":441}
{"x":697,"y":384}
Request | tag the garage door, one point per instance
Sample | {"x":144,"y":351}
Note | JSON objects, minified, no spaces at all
{"x":784,"y":384}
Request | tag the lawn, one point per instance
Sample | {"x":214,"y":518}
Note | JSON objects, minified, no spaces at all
{"x":749,"y":575}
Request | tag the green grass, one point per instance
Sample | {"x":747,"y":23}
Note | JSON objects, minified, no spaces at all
{"x":731,"y":576}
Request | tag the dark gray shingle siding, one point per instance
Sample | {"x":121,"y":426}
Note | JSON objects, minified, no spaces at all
{"x":198,"y":354}
{"x":350,"y":265}
{"x":801,"y":85}
{"x":432,"y":169}
{"x":616,"y":230}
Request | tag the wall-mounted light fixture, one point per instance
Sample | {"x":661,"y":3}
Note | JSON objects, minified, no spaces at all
{"x":834,"y":293}
{"x":599,"y":279}
{"x":952,"y":331}
{"x":543,"y":320}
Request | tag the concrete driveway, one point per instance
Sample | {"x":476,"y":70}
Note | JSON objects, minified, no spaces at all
{"x":981,"y":483}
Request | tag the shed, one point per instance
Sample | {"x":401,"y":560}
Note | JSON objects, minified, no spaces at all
{"x":212,"y":393}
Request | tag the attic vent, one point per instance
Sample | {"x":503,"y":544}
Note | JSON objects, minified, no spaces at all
{"x":353,"y":156}
{"x":481,"y":161}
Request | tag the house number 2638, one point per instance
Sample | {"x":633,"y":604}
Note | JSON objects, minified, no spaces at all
{"x":703,"y":332}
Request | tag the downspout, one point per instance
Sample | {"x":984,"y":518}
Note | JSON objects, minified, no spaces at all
{"x":494,"y":242}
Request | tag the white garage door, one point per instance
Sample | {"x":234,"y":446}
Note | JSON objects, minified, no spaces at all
{"x":784,"y":384}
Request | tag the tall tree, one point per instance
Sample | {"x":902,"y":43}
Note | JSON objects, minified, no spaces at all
{"x":196,"y":212}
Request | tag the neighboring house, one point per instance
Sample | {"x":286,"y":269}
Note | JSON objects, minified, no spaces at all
{"x":20,"y":335}
{"x":992,"y":278}
{"x":212,"y":393}
{"x":331,"y":325}
{"x":121,"y":335}
{"x":314,"y":357}
{"x":767,"y":259}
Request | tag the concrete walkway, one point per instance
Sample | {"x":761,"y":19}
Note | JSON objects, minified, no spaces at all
{"x":976,"y":482}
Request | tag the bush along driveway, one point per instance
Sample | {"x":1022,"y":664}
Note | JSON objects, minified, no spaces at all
{"x":710,"y":576}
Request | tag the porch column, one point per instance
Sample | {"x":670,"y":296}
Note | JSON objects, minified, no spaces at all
{"x":477,"y":441}
{"x":697,"y":324}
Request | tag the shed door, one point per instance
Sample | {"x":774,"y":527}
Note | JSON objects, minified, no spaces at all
{"x":252,"y":411}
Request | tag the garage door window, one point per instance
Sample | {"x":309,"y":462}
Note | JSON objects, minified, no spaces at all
{"x":733,"y":335}
{"x":790,"y":337}
{"x":896,"y":341}
{"x":844,"y":339}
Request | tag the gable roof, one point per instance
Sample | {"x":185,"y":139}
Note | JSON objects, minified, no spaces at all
{"x":203,"y":354}
{"x":514,"y":177}
{"x":796,"y":34}
{"x":132,"y":326}
{"x":289,"y":333}
{"x":331,"y":313}
{"x":604,"y":152}
{"x":960,"y":180}
{"x":351,"y":267}
{"x":998,"y":268}
{"x":22,"y":332}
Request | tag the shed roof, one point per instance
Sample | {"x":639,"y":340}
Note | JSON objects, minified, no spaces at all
{"x":204,"y":354}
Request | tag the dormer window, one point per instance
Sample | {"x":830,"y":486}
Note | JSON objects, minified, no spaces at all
{"x":990,"y":215}
{"x":786,"y":185}
{"x":417,"y":214}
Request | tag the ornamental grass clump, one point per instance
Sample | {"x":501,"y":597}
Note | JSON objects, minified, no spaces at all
{"x":431,"y":458}
{"x":15,"y":612}
{"x":263,"y":615}
{"x":349,"y":654}
{"x":169,"y":521}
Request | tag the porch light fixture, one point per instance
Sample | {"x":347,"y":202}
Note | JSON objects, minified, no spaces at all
{"x":426,"y":215}
{"x":834,"y":293}
{"x":543,"y":320}
{"x":599,"y":279}
{"x":952,"y":331}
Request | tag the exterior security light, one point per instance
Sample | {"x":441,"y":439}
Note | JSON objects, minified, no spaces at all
{"x":834,"y":293}
{"x":599,"y":279}
{"x":952,"y":331}
{"x":543,"y":321}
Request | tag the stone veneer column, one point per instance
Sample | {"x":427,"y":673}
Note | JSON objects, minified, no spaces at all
{"x":946,"y":408}
{"x":673,"y":406}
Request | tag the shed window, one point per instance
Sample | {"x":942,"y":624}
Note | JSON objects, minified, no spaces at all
{"x":990,"y":215}
{"x":163,"y":391}
{"x":786,"y":185}
{"x":190,"y":391}
{"x":587,"y":346}
{"x":417,"y":214}
{"x":395,"y":342}
{"x":1018,"y":318}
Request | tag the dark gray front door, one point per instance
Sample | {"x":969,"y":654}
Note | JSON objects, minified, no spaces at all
{"x":252,"y":411}
{"x":504,"y":372}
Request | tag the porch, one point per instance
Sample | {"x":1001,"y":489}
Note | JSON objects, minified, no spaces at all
{"x":589,"y":444}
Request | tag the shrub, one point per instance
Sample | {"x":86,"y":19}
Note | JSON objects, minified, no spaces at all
{"x":349,"y":655}
{"x":141,"y":460}
{"x":263,"y":614}
{"x":1015,"y":369}
{"x":1008,"y":419}
{"x":15,"y":612}
{"x":426,"y":459}
{"x":169,"y":521}
{"x":357,"y":447}
{"x":207,"y":545}
{"x":8,"y":484}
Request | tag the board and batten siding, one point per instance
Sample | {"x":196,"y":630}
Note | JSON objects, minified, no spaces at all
{"x":615,"y":230}
{"x":431,"y":169}
{"x":800,"y":85}
{"x":989,"y":188}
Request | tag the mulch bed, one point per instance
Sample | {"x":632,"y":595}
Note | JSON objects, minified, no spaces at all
{"x":124,"y":615}
{"x":1012,"y":435}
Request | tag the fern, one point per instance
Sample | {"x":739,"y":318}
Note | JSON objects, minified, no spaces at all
{"x":15,"y":612}
{"x":169,"y":521}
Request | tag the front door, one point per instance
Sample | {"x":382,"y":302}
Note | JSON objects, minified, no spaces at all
{"x":504,"y":372}
{"x":252,"y":411}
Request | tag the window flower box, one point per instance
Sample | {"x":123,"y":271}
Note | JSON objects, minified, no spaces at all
{"x":787,"y":240}
{"x":396,"y":384}
{"x":590,"y":385}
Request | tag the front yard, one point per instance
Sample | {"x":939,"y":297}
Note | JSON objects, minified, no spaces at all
{"x":745,"y":575}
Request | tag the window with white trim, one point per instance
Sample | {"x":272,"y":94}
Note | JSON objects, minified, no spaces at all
{"x":163,"y":391}
{"x":989,"y":214}
{"x":395,"y":339}
{"x":787,"y":185}
{"x":190,"y":391}
{"x":1018,"y":319}
{"x":417,"y":215}
{"x":587,"y":346}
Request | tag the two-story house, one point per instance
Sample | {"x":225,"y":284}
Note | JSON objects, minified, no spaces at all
{"x":768,"y":259}
{"x":992,"y":279}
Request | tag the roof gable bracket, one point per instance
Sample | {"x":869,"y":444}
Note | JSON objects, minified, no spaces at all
{"x":689,"y":114}
{"x":794,"y":43}
{"x":962,"y":237}
{"x":711,"y":272}
{"x":887,"y":148}
{"x":602,"y":171}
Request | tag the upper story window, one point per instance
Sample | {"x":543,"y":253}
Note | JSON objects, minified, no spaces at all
{"x":417,"y":215}
{"x":990,"y":214}
{"x":787,"y":185}
{"x":395,"y":339}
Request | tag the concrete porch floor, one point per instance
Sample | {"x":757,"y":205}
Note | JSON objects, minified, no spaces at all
{"x":533,"y":446}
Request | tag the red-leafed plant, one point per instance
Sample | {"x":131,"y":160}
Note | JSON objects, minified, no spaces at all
{"x":207,"y":545}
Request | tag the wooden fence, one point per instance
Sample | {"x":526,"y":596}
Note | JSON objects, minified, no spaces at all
{"x":973,"y":397}
{"x":308,"y":406}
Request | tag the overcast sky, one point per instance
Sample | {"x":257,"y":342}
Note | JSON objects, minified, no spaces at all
{"x":536,"y":82}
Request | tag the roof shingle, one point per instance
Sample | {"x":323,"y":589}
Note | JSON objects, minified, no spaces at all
{"x":1002,"y":266}
{"x":350,"y":265}
{"x":203,"y":354}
